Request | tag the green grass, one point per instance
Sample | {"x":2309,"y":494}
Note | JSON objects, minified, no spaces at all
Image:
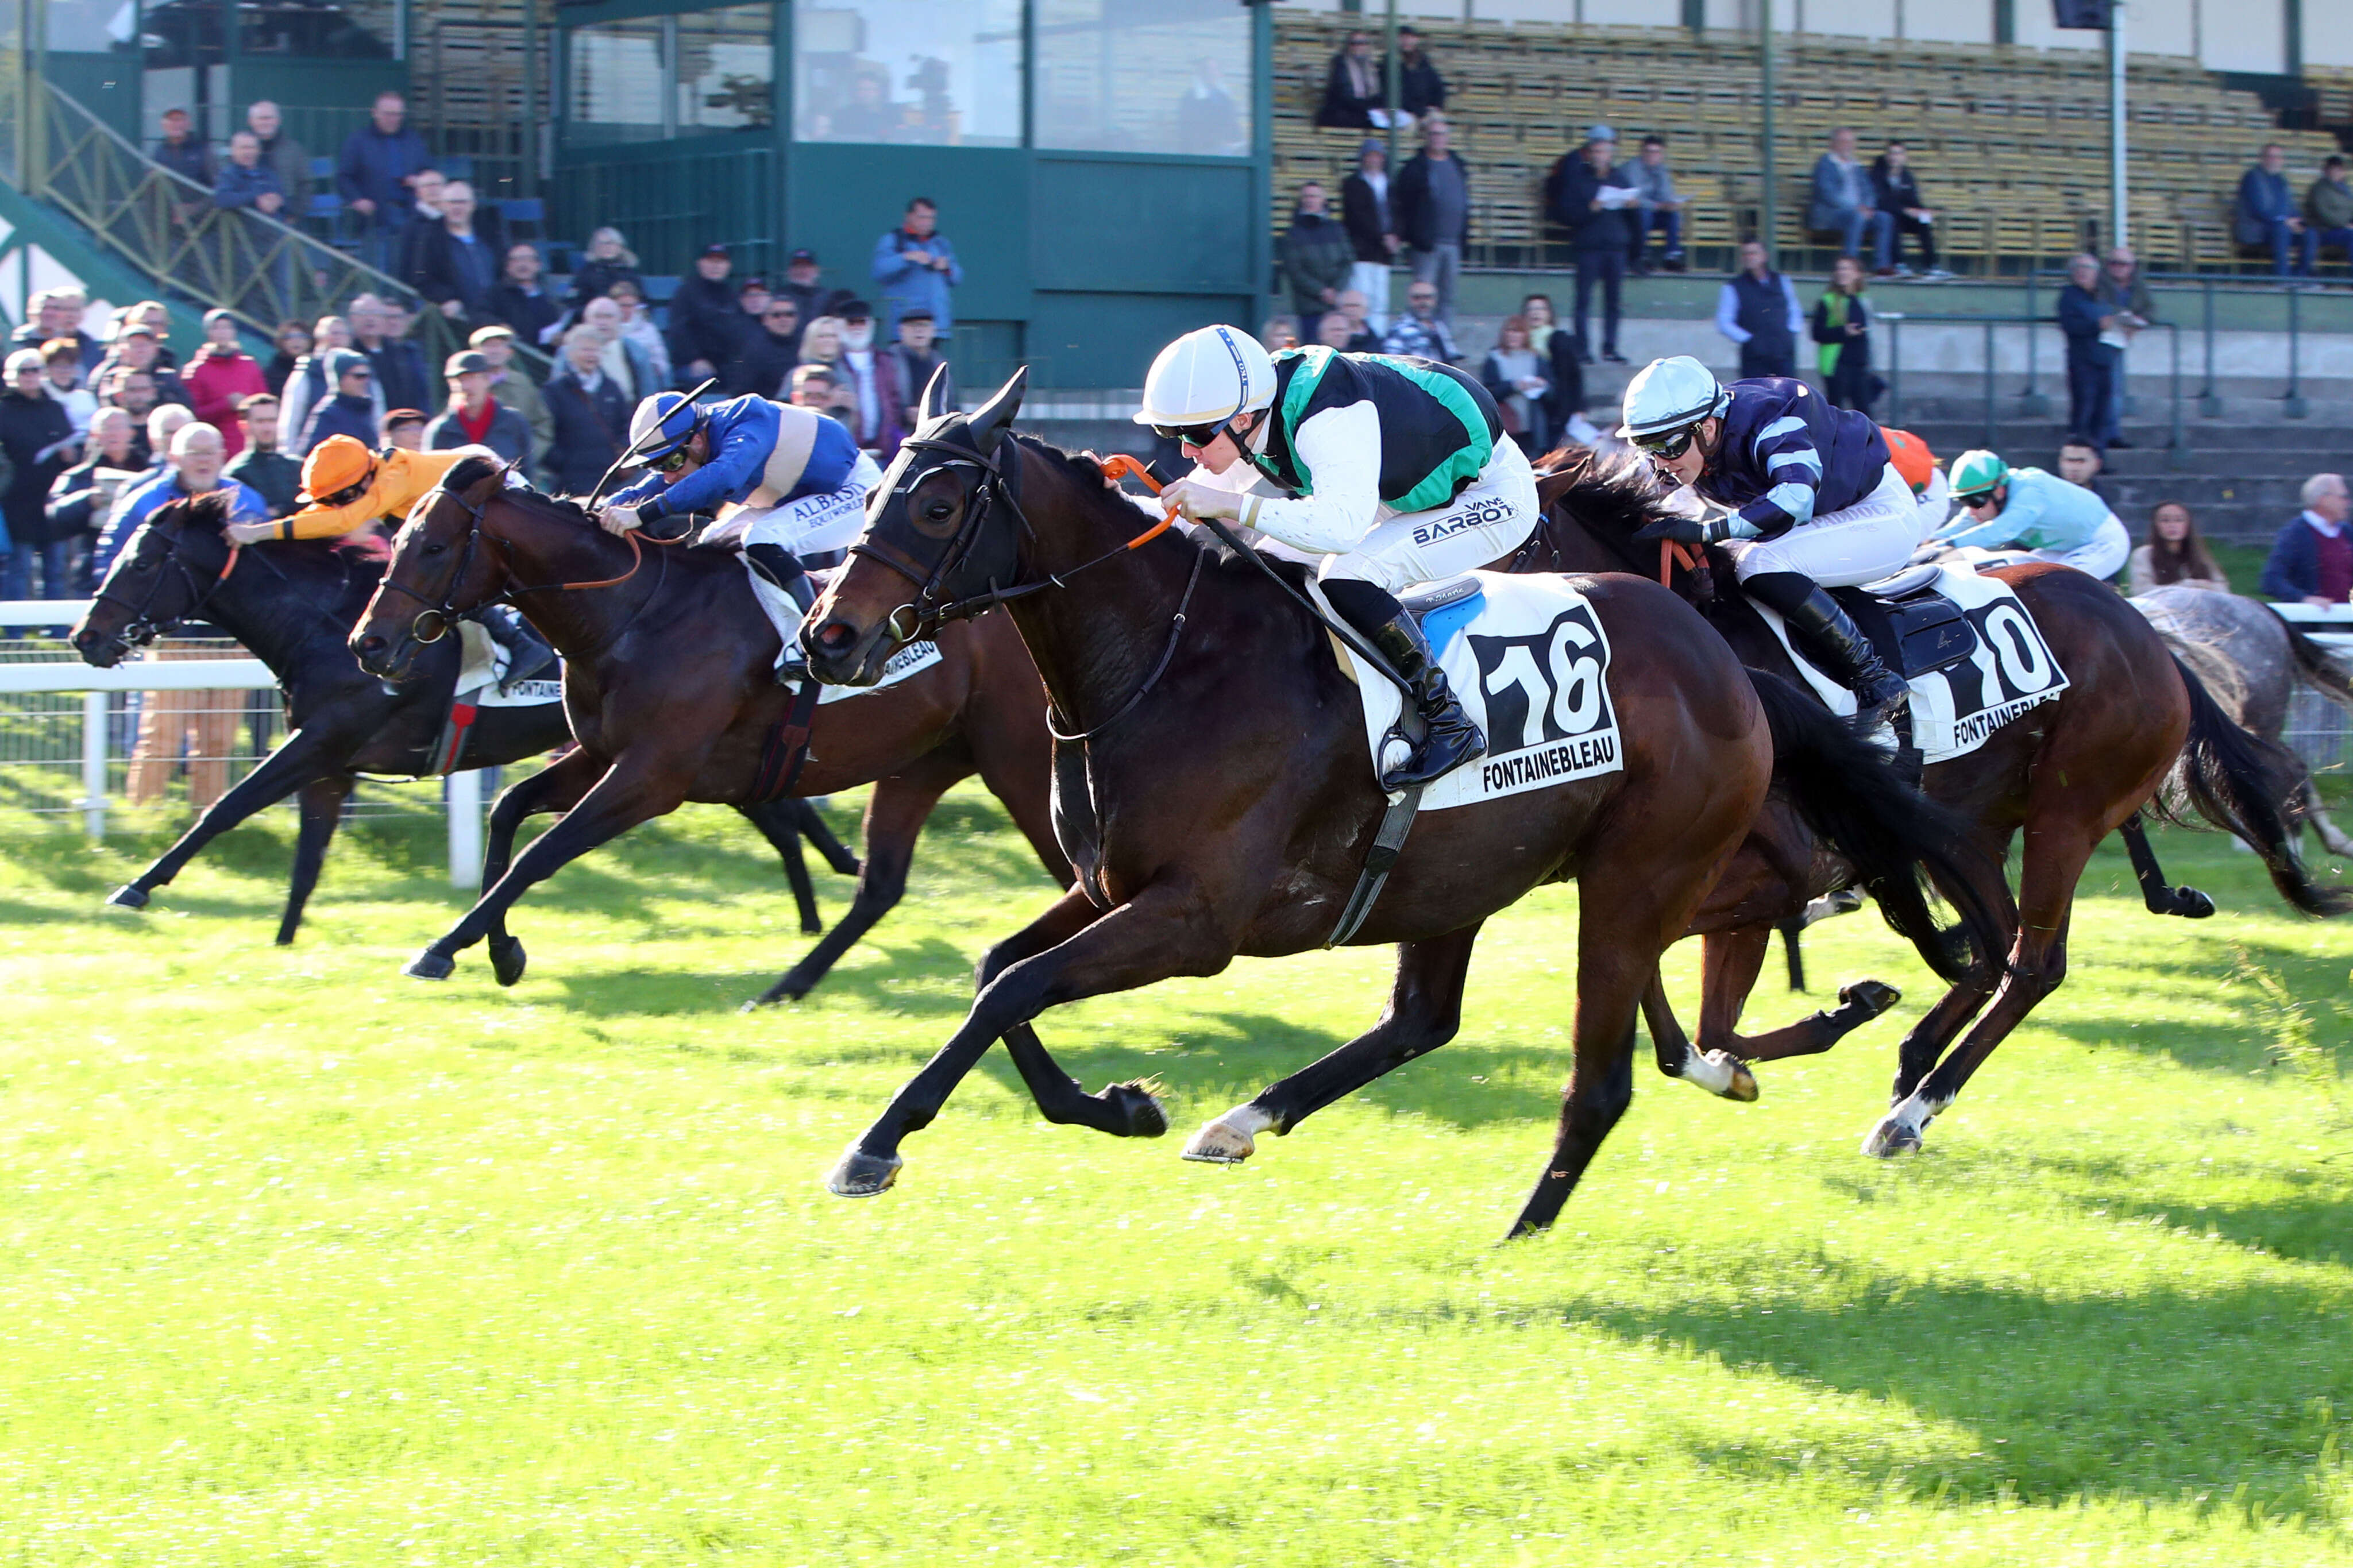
{"x":310,"y":1264}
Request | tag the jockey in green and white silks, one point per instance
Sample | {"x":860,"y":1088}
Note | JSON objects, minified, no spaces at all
{"x":1394,"y":470}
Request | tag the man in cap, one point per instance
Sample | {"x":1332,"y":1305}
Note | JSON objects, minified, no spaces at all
{"x":881,"y":421}
{"x":476,"y":418}
{"x":801,"y":285}
{"x":704,"y":319}
{"x":510,"y":385}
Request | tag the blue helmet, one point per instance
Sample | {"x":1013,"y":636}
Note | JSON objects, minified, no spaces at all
{"x":662,"y":423}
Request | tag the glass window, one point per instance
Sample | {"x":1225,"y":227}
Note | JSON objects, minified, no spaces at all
{"x":1144,"y":76}
{"x":616,"y":82}
{"x":931,"y":72}
{"x":89,"y":26}
{"x":725,"y":66}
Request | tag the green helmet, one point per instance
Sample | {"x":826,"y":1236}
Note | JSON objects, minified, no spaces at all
{"x":1974,"y":473}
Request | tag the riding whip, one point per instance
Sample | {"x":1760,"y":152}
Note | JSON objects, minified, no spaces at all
{"x":631,"y":456}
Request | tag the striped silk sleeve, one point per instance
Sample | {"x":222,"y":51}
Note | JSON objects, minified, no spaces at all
{"x":1785,"y":453}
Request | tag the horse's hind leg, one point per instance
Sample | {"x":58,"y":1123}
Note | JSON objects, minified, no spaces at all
{"x":832,"y":850}
{"x":300,"y":761}
{"x":1733,"y":961}
{"x":895,"y":815}
{"x":2332,"y":838}
{"x":322,"y":808}
{"x":555,"y":787}
{"x":2160,"y":897}
{"x":1424,"y":1012}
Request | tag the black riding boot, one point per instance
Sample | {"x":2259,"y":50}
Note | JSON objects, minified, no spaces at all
{"x":527,"y":652}
{"x":1450,"y":737}
{"x":782,"y":567}
{"x":1830,"y":638}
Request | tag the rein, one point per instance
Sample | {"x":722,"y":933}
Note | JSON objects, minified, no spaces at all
{"x":445,"y":612}
{"x":139,"y":629}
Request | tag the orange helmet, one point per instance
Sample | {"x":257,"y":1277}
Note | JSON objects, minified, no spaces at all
{"x":1910,"y":457}
{"x":335,"y":464}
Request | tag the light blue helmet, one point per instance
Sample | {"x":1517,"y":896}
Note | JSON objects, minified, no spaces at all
{"x":662,"y":423}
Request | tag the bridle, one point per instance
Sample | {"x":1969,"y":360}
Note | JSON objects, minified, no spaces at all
{"x":433,"y":622}
{"x":141,"y":628}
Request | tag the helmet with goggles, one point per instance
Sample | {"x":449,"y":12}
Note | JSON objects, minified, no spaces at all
{"x":1975,"y":475}
{"x":1203,"y":380}
{"x":662,"y":425}
{"x":337,"y":470}
{"x":1666,"y":401}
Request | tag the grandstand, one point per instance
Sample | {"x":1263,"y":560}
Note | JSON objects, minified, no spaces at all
{"x":2011,"y":142}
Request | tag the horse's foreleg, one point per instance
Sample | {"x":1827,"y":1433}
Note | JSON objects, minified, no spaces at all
{"x":302,"y":759}
{"x":1127,"y":1109}
{"x":2332,"y":838}
{"x":555,"y":787}
{"x":322,"y":808}
{"x":832,"y":850}
{"x":1424,"y":1012}
{"x":780,"y":823}
{"x":1734,"y":959}
{"x":2161,"y":898}
{"x":1164,"y":931}
{"x":623,"y":797}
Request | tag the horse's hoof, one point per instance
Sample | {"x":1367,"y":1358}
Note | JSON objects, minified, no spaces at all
{"x":508,"y":959}
{"x":1743,"y":1087}
{"x":1219,"y":1144}
{"x":2190,"y":904}
{"x":1893,"y":1136}
{"x":1719,"y":1073}
{"x":858,"y":1174}
{"x":430,"y":966}
{"x":1872,"y":997}
{"x":1145,"y":1115}
{"x":127,"y":896}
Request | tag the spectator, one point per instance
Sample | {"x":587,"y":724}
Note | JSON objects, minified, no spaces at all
{"x":2329,"y":210}
{"x":404,"y":430}
{"x":287,"y":157}
{"x":1432,"y":204}
{"x":1315,"y":255}
{"x":878,"y":423}
{"x":375,"y":174}
{"x":2265,"y":214}
{"x":1895,"y":191}
{"x":293,"y":341}
{"x":702,"y":317}
{"x":1372,"y":231}
{"x":818,"y":386}
{"x":424,"y":214}
{"x":1564,"y":372}
{"x":2311,"y":559}
{"x":607,"y":260}
{"x":61,"y":379}
{"x":184,"y":152}
{"x":1420,"y":89}
{"x":624,"y":361}
{"x":135,"y":348}
{"x":1513,"y":376}
{"x":82,"y":496}
{"x":1334,"y":330}
{"x":1842,"y":331}
{"x":2079,"y":463}
{"x":245,"y":181}
{"x":1420,"y":332}
{"x":399,"y":364}
{"x":915,"y":265}
{"x":261,"y":468}
{"x":36,"y":436}
{"x":2095,"y":339}
{"x":519,"y":300}
{"x":511,"y":385}
{"x":1843,"y":204}
{"x":752,"y":301}
{"x":351,"y":410}
{"x":458,"y":265}
{"x":821,"y":342}
{"x":223,"y":376}
{"x":194,"y":469}
{"x":476,"y":418}
{"x":638,"y":327}
{"x":913,"y":359}
{"x":58,"y":314}
{"x":2176,"y":554}
{"x":1657,"y":207}
{"x":591,"y":416}
{"x":1758,"y":309}
{"x":308,"y":386}
{"x":1207,"y":122}
{"x":157,"y":317}
{"x":802,"y":286}
{"x":1279,"y":332}
{"x":133,"y":392}
{"x":164,"y":420}
{"x":1363,"y":338}
{"x":765,"y":356}
{"x":1594,"y":197}
{"x":1354,"y":97}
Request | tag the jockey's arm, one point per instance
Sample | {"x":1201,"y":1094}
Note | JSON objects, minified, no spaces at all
{"x":1793,"y":467}
{"x":1340,"y":451}
{"x":739,"y":455}
{"x":334,"y":522}
{"x":2019,"y":511}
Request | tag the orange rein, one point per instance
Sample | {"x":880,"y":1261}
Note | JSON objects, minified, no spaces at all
{"x":1119,"y":465}
{"x":1674,"y":553}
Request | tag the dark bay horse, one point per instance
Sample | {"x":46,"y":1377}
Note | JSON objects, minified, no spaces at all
{"x":2068,"y":774}
{"x":1214,"y":789}
{"x":666,"y":682}
{"x":292,"y":605}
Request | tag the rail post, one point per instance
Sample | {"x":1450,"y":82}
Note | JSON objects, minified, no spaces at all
{"x":2177,"y":448}
{"x":462,"y":802}
{"x":94,"y":764}
{"x":1991,"y":440}
{"x":1894,"y":366}
{"x":2209,"y":403}
{"x":2292,"y":403}
{"x":2032,"y":402}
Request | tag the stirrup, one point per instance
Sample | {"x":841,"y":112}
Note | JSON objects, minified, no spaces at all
{"x":1449,"y":741}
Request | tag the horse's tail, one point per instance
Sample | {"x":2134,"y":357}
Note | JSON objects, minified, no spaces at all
{"x":2243,"y":784}
{"x":2321,"y":670}
{"x":1900,"y":843}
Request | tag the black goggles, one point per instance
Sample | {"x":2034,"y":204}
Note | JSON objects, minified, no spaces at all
{"x":345,"y":496}
{"x":1971,"y":502}
{"x":1195,"y":435}
{"x":668,"y":462}
{"x":1668,"y":443}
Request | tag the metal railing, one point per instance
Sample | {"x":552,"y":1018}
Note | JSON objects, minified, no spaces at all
{"x":2031,"y":403}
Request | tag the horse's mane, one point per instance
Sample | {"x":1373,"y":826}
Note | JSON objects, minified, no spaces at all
{"x":470,"y":471}
{"x":1618,"y":501}
{"x":1087,"y":475}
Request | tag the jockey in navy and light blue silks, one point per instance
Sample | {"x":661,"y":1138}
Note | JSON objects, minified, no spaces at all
{"x":796,"y":476}
{"x":1814,"y":500}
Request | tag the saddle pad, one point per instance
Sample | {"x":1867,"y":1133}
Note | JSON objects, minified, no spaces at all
{"x":1530,"y":661}
{"x":912,"y":660}
{"x":484,"y":661}
{"x":1956,"y":710}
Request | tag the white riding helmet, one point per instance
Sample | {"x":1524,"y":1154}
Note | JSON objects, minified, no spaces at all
{"x":1204,"y":378}
{"x":1671,"y":395}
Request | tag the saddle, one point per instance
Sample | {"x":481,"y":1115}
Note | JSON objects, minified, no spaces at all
{"x":1917,"y":631}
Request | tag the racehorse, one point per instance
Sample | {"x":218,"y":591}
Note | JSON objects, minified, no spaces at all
{"x":1214,"y":788}
{"x":667,"y":683}
{"x":2253,"y":660}
{"x":2069,"y":772}
{"x":292,"y":605}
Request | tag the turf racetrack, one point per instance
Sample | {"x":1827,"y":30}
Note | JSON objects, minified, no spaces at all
{"x":310,"y":1264}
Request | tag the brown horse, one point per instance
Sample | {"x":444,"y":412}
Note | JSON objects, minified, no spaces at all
{"x":668,"y":686}
{"x":1213,"y":786}
{"x":2068,"y":772}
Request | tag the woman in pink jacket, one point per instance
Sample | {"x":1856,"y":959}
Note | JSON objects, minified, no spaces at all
{"x":222,"y":374}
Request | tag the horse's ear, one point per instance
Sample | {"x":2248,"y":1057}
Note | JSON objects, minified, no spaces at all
{"x":488,"y":485}
{"x":935,"y":396}
{"x":997,"y":413}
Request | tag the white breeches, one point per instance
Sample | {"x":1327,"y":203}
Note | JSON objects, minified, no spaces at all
{"x":1861,"y":543}
{"x":1488,"y":519}
{"x":2100,"y":555}
{"x":811,"y":525}
{"x":1936,"y":503}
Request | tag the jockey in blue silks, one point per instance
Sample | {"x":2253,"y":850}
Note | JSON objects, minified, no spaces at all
{"x":797,"y":478}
